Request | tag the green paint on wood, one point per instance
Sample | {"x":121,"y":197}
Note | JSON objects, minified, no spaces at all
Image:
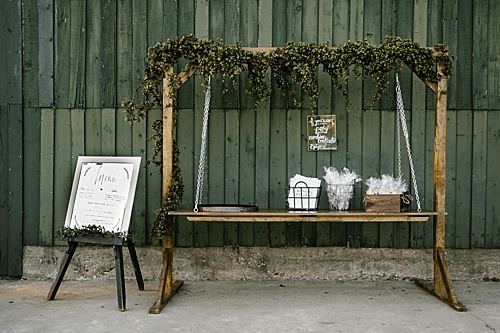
{"x":46,"y":177}
{"x":479,"y":180}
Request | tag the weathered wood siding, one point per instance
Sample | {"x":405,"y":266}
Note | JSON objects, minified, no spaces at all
{"x":77,"y":60}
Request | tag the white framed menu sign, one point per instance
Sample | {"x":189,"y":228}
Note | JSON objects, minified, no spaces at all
{"x":103,"y":192}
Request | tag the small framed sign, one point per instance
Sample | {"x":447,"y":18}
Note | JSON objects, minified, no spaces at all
{"x":321,"y":132}
{"x":103,"y":192}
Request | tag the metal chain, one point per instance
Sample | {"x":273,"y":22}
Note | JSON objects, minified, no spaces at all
{"x":203,"y":148}
{"x":402,"y":117}
{"x":400,"y":170}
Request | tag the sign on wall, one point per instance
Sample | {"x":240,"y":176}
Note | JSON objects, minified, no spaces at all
{"x":103,"y":192}
{"x":321,"y":132}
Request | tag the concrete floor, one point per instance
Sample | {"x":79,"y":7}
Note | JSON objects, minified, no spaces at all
{"x":248,"y":306}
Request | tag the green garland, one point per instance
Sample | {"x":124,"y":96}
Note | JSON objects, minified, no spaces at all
{"x":294,"y":63}
{"x":90,"y":230}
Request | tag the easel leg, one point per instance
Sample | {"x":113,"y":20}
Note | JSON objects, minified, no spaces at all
{"x":120,"y":278}
{"x":62,"y":270}
{"x":135,"y":263}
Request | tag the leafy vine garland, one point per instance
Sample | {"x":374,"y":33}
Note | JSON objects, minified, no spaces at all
{"x":296,"y":62}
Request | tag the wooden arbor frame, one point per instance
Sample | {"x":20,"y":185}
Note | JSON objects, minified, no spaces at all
{"x":441,"y":287}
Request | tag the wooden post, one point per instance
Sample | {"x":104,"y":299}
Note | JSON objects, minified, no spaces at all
{"x":439,"y":175}
{"x":167,"y":288}
{"x":168,"y":152}
{"x":168,"y":136}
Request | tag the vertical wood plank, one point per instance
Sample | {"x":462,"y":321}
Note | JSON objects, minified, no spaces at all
{"x":451,"y":178}
{"x":94,"y":61}
{"x":77,"y":136}
{"x":262,"y":131}
{"x":479,"y":181}
{"x":338,"y":159}
{"x":139,"y":147}
{"x":443,"y":28}
{"x":187,"y":23}
{"x":388,"y":165}
{"x":231,"y":170}
{"x":125,"y":78}
{"x":492,"y":226}
{"x":153,"y":179}
{"x":248,"y":172}
{"x":63,"y":174}
{"x":30,"y":55}
{"x":170,"y":20}
{"x":388,"y":155}
{"x":466,"y":50}
{"x":293,"y":167}
{"x":388,"y":27}
{"x":404,"y":28}
{"x":354,"y":121}
{"x":464,"y":179}
{"x":308,"y":32}
{"x":428,"y":199}
{"x":77,"y":56}
{"x":215,"y":176}
{"x":31,"y":174}
{"x":185,"y":141}
{"x":63,"y":46}
{"x":249,"y":37}
{"x":4,"y":189}
{"x":231,"y":23}
{"x":15,"y":175}
{"x":418,"y":122}
{"x":370,"y":168}
{"x":277,"y":174}
{"x":262,"y":176}
{"x":156,"y":28}
{"x":46,"y":177}
{"x":46,"y":53}
{"x":279,"y":38}
{"x":480,"y":47}
{"x":216,"y":31}
{"x":139,"y":130}
{"x":370,"y":163}
{"x":202,"y":30}
{"x":325,"y":106}
{"x":493,"y":65}
{"x":108,"y":131}
{"x":93,"y":134}
{"x":108,"y":51}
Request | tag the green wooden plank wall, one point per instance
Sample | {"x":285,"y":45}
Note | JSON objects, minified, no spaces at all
{"x":80,"y":59}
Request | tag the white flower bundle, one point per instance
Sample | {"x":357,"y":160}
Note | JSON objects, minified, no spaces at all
{"x":386,"y":185}
{"x":339,"y":187}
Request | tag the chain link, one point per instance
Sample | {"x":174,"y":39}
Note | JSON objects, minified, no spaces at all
{"x":401,"y":117}
{"x":203,"y":148}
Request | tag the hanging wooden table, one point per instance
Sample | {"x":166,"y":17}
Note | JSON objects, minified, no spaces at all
{"x":441,"y":287}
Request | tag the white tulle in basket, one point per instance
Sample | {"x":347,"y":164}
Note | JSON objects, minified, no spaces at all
{"x":340,"y":187}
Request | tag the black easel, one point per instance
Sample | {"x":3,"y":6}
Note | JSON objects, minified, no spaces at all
{"x":117,"y":243}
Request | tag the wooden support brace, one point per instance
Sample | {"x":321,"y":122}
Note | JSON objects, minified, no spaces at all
{"x":167,"y":289}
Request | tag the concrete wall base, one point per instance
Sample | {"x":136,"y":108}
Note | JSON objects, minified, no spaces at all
{"x":263,"y":263}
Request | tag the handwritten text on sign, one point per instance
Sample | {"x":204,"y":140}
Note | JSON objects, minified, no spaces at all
{"x":321,"y":132}
{"x":101,"y":197}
